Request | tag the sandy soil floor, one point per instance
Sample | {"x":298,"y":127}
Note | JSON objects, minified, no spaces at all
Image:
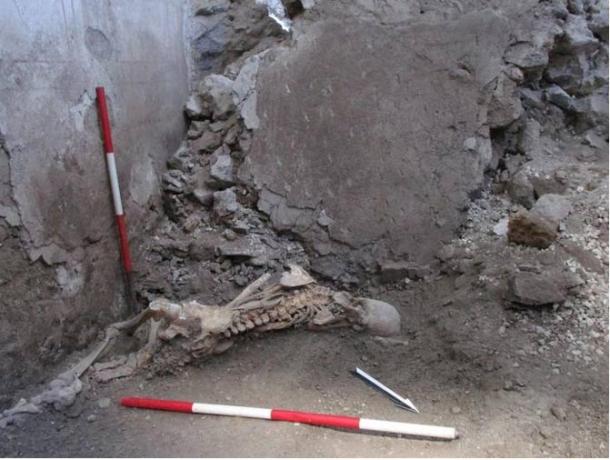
{"x":503,"y":401}
{"x":516,"y":382}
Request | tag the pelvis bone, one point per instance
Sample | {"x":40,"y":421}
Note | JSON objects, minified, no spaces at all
{"x":195,"y":330}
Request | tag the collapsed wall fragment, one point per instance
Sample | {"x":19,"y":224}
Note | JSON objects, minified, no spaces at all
{"x":361,"y":137}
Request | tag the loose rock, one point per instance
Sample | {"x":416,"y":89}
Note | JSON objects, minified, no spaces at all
{"x":531,"y":229}
{"x":556,"y":95}
{"x":501,"y":228}
{"x":505,"y":104}
{"x":103,"y":403}
{"x":559,"y":413}
{"x":225,"y":202}
{"x":547,"y":183}
{"x":391,"y":272}
{"x":174,"y":181}
{"x":193,"y":108}
{"x":529,"y":143}
{"x":534,"y":289}
{"x":218,"y":92}
{"x":552,"y":207}
{"x":207,"y":143}
{"x":196,"y":129}
{"x":205,"y":197}
{"x":249,"y":247}
{"x":577,"y":36}
{"x":221,"y":169}
{"x":181,"y":160}
{"x":521,"y":190}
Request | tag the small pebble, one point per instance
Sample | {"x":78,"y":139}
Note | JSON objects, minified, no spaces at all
{"x":559,"y":413}
{"x":455,"y":410}
{"x":544,"y":432}
{"x":103,"y":403}
{"x":92,"y":418}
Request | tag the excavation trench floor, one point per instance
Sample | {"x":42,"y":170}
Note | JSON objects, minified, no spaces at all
{"x":504,"y":402}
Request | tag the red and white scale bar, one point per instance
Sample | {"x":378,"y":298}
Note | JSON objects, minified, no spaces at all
{"x":114,"y":179}
{"x":310,"y":418}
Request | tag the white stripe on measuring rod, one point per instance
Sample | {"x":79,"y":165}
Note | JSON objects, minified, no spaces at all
{"x":114,"y":183}
{"x":221,"y":409}
{"x":413,"y":429}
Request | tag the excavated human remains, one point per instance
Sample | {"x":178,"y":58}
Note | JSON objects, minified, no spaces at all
{"x":190,"y":330}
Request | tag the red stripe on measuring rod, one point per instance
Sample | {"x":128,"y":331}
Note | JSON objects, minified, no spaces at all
{"x":104,"y":118}
{"x":158,"y":404}
{"x":124,"y":242}
{"x":313,"y":418}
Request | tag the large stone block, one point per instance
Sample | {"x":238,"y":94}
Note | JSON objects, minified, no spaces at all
{"x":383,"y":129}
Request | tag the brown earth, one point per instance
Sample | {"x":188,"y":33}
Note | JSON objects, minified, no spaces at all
{"x":504,"y":399}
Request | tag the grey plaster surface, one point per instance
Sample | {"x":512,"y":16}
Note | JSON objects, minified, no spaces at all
{"x":54,"y":195}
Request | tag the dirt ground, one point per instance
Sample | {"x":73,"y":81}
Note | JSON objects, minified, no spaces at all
{"x":450,"y":360}
{"x":514,"y":381}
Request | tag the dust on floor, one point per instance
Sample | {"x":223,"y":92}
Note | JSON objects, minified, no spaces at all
{"x":450,"y":360}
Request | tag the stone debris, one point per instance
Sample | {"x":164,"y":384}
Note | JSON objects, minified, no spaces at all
{"x":552,"y":207}
{"x":556,"y":95}
{"x":529,"y":141}
{"x":250,"y":247}
{"x":182,"y":160}
{"x":204,"y":197}
{"x":501,"y":228}
{"x":225,"y":202}
{"x":585,"y":257}
{"x":210,"y":7}
{"x":533,"y":289}
{"x":218,"y":91}
{"x":530,"y":229}
{"x":576,"y":37}
{"x":505,"y":104}
{"x":276,"y":168}
{"x":221,"y":169}
{"x":277,"y":12}
{"x":391,"y":272}
{"x":207,"y":142}
{"x":196,"y":129}
{"x":193,"y":108}
{"x":553,"y":65}
{"x":521,"y":190}
{"x":555,"y":183}
{"x":559,"y":413}
{"x":595,"y":141}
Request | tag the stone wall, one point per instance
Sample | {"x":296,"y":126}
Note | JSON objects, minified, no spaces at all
{"x":356,"y":141}
{"x":60,"y":276}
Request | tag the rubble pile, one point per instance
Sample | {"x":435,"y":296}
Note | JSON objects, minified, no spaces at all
{"x":212,"y":239}
{"x":478,"y":160}
{"x":563,"y":60}
{"x":238,"y":200}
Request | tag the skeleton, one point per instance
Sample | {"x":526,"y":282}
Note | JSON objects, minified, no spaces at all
{"x":193,"y":330}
